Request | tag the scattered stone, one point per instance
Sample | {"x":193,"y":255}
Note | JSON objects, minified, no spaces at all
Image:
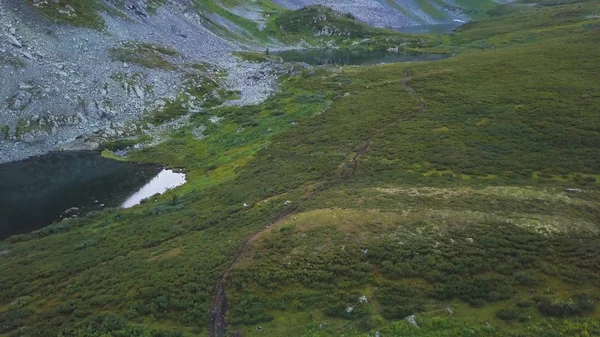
{"x":363,"y":299}
{"x":78,"y":145}
{"x":27,"y":55}
{"x":13,"y":40}
{"x":215,"y":120}
{"x":349,"y":309}
{"x":138,"y":91}
{"x":198,"y":132}
{"x":72,"y":209}
{"x":470,"y":240}
{"x":412,"y":319}
{"x":34,"y":136}
{"x":573,"y":190}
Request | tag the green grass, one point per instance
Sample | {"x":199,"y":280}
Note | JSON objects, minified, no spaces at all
{"x":256,"y":57}
{"x":250,"y":33}
{"x":309,"y":22}
{"x":204,"y":91}
{"x":84,"y":12}
{"x":110,"y":155}
{"x":431,"y":10}
{"x":144,"y":54}
{"x":123,"y":144}
{"x":4,"y":131}
{"x":421,"y":186}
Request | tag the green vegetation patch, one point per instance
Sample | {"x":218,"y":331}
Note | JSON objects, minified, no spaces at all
{"x":257,"y":57}
{"x":201,"y":91}
{"x":74,"y":12}
{"x":145,"y":54}
{"x":431,"y":10}
{"x":122,"y":144}
{"x":354,"y":197}
{"x":4,"y":131}
{"x":320,"y":21}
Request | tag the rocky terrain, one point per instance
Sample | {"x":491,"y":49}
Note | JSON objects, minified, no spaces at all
{"x":382,"y":13}
{"x":60,"y":84}
{"x":74,"y":77}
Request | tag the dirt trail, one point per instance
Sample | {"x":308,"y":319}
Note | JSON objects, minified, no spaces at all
{"x":367,"y":144}
{"x":216,"y":322}
{"x":216,"y":325}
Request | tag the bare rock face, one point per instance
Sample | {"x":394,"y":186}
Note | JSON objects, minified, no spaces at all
{"x":78,"y":145}
{"x":97,"y":110}
{"x":34,"y":136}
{"x":13,"y":41}
{"x":49,"y":69}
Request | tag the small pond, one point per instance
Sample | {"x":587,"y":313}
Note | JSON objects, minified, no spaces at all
{"x":339,"y":57}
{"x":38,"y":191}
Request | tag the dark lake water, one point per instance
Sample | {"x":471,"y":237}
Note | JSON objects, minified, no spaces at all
{"x":442,"y":28}
{"x":37,"y":191}
{"x":351,"y":57}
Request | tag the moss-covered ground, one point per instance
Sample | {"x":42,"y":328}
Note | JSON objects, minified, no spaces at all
{"x":463,"y":191}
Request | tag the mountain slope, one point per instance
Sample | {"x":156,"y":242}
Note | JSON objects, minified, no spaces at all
{"x":401,"y":13}
{"x":464,"y":192}
{"x":82,"y":73}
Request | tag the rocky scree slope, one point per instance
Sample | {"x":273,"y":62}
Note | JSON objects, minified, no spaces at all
{"x":69,"y":87}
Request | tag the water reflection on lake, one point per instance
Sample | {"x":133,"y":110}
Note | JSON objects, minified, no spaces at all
{"x":38,"y":191}
{"x":441,"y":28}
{"x":165,"y":180}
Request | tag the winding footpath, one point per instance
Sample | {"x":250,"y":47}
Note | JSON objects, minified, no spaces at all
{"x":217,"y":324}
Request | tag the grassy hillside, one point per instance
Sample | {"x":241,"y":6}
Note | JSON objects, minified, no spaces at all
{"x":463,"y":191}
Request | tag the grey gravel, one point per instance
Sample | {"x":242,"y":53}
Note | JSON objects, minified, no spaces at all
{"x":69,"y":73}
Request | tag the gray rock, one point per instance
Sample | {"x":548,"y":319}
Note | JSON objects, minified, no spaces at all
{"x":72,"y":210}
{"x":34,"y":136}
{"x":13,"y":40}
{"x":78,"y":145}
{"x":96,"y":110}
{"x":138,"y":91}
{"x":412,"y":319}
{"x":198,"y":132}
{"x":27,"y":55}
